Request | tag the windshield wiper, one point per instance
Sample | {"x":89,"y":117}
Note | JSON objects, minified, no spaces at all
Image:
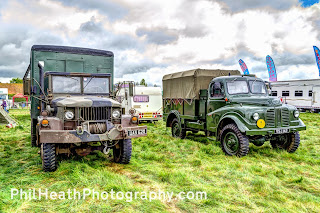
{"x":234,"y":80}
{"x":88,"y":82}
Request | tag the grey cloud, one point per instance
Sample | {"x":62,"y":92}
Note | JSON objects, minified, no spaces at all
{"x":158,"y":35}
{"x":287,"y":58}
{"x":91,"y":26}
{"x":194,"y":30}
{"x":240,"y":5}
{"x":15,"y":45}
{"x":109,"y":8}
{"x":314,"y":19}
{"x":125,"y":66}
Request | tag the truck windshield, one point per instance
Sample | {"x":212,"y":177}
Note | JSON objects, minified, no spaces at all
{"x":66,"y":84}
{"x":257,"y":87}
{"x":95,"y":85}
{"x":237,"y":87}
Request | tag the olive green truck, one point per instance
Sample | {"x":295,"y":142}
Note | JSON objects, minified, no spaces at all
{"x":72,"y":105}
{"x":234,"y":108}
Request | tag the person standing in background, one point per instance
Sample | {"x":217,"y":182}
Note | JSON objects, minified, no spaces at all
{"x":4,"y":105}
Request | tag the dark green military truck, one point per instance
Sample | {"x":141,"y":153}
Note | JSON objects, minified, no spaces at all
{"x":236,"y":109}
{"x":72,"y":109}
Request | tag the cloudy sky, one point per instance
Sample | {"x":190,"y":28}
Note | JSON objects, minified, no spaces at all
{"x":153,"y":38}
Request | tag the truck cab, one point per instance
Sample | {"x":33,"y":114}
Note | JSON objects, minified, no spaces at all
{"x":237,"y":109}
{"x":72,"y":105}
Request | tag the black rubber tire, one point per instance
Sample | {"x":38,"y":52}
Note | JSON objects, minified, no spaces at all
{"x":33,"y":133}
{"x":294,"y":142}
{"x":122,"y":151}
{"x":291,"y":145}
{"x":243,"y":141}
{"x":49,"y":158}
{"x":176,"y":130}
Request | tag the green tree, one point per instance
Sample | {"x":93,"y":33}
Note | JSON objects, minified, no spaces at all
{"x":16,"y":80}
{"x":142,"y":82}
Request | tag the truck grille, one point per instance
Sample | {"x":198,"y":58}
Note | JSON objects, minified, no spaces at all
{"x":282,"y":116}
{"x":270,"y":118}
{"x":285,"y":120}
{"x":94,"y":113}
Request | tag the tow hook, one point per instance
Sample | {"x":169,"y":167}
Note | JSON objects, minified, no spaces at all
{"x":106,"y":149}
{"x":119,"y":128}
{"x":79,"y":130}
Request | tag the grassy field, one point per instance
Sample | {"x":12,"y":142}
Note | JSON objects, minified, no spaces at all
{"x":264,"y":181}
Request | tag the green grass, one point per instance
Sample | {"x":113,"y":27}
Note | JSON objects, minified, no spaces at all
{"x":265,"y":180}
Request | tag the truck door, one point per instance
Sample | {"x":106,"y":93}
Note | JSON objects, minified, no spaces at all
{"x":215,"y":101}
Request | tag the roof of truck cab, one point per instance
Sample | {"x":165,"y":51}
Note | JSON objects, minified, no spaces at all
{"x":74,"y":50}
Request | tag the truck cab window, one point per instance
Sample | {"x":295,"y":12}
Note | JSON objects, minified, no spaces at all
{"x":95,"y":85}
{"x":237,"y":87}
{"x":217,"y":89}
{"x":66,"y":84}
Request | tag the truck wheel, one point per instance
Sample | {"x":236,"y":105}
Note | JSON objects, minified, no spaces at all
{"x":48,"y":156}
{"x":290,"y":143}
{"x":33,"y":133}
{"x":233,"y":142}
{"x":176,"y":129}
{"x":122,"y":151}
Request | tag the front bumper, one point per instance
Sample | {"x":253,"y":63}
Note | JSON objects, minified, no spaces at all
{"x":73,"y":136}
{"x":272,"y":131}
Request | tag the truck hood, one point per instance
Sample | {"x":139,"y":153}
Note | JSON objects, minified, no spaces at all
{"x":256,"y":100}
{"x":79,"y":101}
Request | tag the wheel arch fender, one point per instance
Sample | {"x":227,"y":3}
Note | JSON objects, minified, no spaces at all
{"x":172,"y":115}
{"x":225,"y":120}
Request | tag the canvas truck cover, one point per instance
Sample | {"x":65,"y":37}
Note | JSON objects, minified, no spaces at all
{"x":187,"y":84}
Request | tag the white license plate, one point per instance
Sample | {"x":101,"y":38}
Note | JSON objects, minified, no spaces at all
{"x":137,"y":132}
{"x":281,"y":131}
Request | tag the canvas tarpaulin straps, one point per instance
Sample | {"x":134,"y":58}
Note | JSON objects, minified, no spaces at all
{"x":188,"y":101}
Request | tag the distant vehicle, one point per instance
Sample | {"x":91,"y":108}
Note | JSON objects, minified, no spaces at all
{"x":234,"y":108}
{"x":146,"y":101}
{"x":303,"y":94}
{"x":72,"y":111}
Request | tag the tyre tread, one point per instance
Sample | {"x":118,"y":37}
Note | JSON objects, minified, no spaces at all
{"x":243,"y":140}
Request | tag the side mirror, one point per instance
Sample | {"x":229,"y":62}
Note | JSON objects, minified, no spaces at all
{"x":26,"y":86}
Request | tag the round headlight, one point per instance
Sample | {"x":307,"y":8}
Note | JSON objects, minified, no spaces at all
{"x":296,"y":114}
{"x":68,"y":115}
{"x":116,"y":113}
{"x":255,"y":116}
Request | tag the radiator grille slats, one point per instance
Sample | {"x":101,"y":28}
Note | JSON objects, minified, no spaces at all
{"x":94,"y":113}
{"x":270,"y":118}
{"x":285,"y":119}
{"x":282,"y":115}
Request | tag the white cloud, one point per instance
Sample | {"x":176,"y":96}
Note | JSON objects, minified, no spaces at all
{"x":197,"y":34}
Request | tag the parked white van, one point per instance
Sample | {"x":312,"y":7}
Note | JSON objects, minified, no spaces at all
{"x":147,"y":101}
{"x":304,"y":94}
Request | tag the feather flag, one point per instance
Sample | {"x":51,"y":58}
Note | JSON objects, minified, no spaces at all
{"x":271,"y":69}
{"x":317,"y":54}
{"x":244,"y":67}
